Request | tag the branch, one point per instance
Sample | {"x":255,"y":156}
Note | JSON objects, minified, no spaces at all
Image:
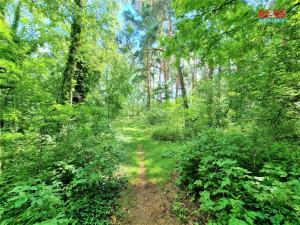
{"x":202,"y":14}
{"x":6,"y":87}
{"x":155,"y":49}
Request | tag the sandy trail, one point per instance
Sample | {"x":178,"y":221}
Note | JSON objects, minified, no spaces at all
{"x":150,"y":205}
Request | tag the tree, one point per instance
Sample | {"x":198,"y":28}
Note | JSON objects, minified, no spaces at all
{"x":182,"y":83}
{"x":75,"y":70}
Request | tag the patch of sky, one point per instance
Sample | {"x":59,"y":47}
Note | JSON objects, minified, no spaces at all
{"x":260,"y":3}
{"x":127,"y":8}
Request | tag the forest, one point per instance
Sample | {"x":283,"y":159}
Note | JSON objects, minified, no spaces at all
{"x":149,"y":112}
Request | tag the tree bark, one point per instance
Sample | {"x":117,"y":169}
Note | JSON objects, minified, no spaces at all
{"x":69,"y":73}
{"x":166,"y":80}
{"x":148,"y":90}
{"x":182,"y":84}
{"x":210,"y":97}
{"x":176,"y":87}
{"x":160,"y":82}
{"x":194,"y":75}
{"x":80,"y":88}
{"x":209,"y":74}
{"x":148,"y":78}
{"x":170,"y":25}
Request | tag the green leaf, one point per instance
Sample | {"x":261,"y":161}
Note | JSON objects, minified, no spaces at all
{"x":235,"y":221}
{"x":48,"y":222}
{"x":20,"y":202}
{"x":254,"y":215}
{"x":249,"y":220}
{"x":222,"y":203}
{"x":225,"y":182}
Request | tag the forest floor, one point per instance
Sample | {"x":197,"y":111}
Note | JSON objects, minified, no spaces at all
{"x":151,"y":191}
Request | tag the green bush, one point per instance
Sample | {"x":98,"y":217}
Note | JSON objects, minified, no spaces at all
{"x":33,"y":202}
{"x":62,"y":172}
{"x":156,"y":116}
{"x":92,"y":196}
{"x":214,"y":170}
{"x":165,"y":133}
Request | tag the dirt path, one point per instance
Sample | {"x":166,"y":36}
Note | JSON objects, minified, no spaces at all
{"x":150,"y":205}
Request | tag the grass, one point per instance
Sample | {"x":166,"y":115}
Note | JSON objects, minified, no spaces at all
{"x":160,"y":157}
{"x":130,"y":137}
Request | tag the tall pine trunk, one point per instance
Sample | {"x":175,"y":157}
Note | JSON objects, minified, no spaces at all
{"x":182,"y":84}
{"x":148,"y":78}
{"x":166,"y":81}
{"x":210,"y":97}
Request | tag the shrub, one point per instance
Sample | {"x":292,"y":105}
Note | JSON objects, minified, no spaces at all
{"x":156,"y":116}
{"x":67,"y":177}
{"x":165,"y":133}
{"x":33,"y":202}
{"x":214,"y":170}
{"x":92,"y":196}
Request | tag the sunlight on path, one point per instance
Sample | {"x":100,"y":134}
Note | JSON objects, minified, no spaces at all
{"x":150,"y":205}
{"x":158,"y":156}
{"x":144,"y":203}
{"x":142,"y":170}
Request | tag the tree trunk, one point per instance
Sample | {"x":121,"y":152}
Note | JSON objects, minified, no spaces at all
{"x":194,"y":76}
{"x":80,"y":88}
{"x":209,"y":74}
{"x":69,"y":73}
{"x":166,"y":70}
{"x":148,"y":78}
{"x":176,"y":87}
{"x":160,"y":83}
{"x":182,"y":84}
{"x":170,"y":25}
{"x":148,"y":90}
{"x":166,"y":80}
{"x":210,"y":95}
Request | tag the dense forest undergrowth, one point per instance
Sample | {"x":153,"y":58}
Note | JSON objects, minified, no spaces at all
{"x":180,"y":111}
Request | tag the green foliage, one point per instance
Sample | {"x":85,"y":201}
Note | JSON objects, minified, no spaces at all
{"x":180,"y":211}
{"x":78,"y":163}
{"x":156,"y":116}
{"x":34,"y":202}
{"x":216,"y":170}
{"x":165,"y":133}
{"x":59,"y":163}
{"x":243,"y":168}
{"x":92,"y":196}
{"x":169,"y":114}
{"x":4,"y":31}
